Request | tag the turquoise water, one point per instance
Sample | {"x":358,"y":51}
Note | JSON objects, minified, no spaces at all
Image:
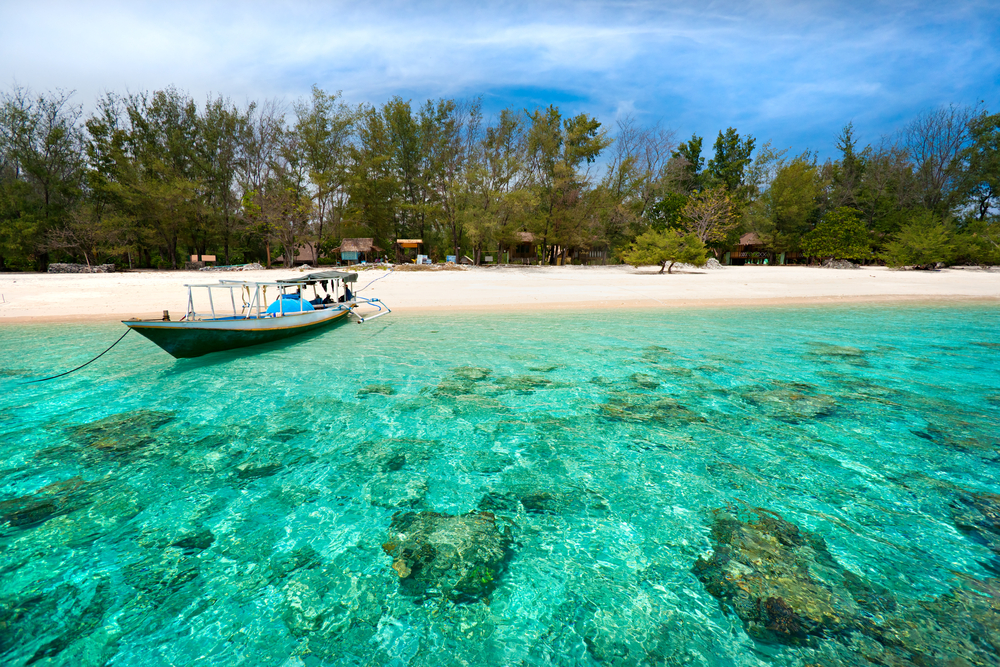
{"x":233,"y":509}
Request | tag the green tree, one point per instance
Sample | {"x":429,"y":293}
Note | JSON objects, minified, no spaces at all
{"x":688,"y":164}
{"x":41,"y":172}
{"x":557,"y":148}
{"x":668,"y":212}
{"x":840,"y":235}
{"x":848,"y":172}
{"x":732,"y":157}
{"x":653,"y":247}
{"x":499,"y":205}
{"x":982,"y":179}
{"x":924,"y":241}
{"x":787,"y":209}
{"x":638,"y":179}
{"x":373,"y":187}
{"x":324,"y":127}
{"x":710,"y":215}
{"x":221,"y":127}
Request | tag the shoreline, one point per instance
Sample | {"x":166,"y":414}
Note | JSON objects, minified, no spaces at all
{"x":61,"y":298}
{"x":582,"y":307}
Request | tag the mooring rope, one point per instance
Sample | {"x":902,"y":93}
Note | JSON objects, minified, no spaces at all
{"x":86,"y":364}
{"x":375,"y":281}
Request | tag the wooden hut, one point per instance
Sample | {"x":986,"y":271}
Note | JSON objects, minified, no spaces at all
{"x":749,"y":250}
{"x":304,"y":254}
{"x":357,"y":250}
{"x":524,"y":250}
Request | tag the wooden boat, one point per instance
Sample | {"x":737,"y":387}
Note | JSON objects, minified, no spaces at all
{"x":253,"y":321}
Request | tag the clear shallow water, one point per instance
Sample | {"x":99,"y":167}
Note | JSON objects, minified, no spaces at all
{"x":233,"y":509}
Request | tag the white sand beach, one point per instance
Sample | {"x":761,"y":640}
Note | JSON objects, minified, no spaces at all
{"x":26,"y":297}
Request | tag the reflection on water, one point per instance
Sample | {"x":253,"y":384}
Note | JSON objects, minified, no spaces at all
{"x":777,"y":486}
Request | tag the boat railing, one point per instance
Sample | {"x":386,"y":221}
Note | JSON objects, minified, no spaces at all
{"x":252,"y":294}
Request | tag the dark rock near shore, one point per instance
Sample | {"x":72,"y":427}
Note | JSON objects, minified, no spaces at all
{"x":978,"y":516}
{"x":645,"y":408}
{"x":789,"y":402}
{"x":123,"y":433}
{"x":457,"y":557}
{"x":783,"y":582}
{"x":47,"y":503}
{"x":787,"y":588}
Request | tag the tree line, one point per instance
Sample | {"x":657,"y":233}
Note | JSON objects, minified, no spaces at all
{"x":149,"y":178}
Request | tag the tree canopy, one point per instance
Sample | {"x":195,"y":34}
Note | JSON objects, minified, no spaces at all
{"x":149,"y":178}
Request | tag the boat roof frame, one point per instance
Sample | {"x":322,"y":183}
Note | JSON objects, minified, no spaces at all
{"x":308,"y":279}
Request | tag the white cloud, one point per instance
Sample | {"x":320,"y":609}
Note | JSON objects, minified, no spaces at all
{"x":774,"y":67}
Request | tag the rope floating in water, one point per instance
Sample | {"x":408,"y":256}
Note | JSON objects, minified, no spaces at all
{"x":86,"y":364}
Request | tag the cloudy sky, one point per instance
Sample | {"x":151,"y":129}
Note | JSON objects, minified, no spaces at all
{"x":792,"y":72}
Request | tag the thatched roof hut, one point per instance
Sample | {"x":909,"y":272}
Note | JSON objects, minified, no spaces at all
{"x":750,"y":238}
{"x":357,"y":245}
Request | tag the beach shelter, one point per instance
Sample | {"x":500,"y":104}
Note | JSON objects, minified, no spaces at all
{"x":357,"y":250}
{"x":405,"y":246}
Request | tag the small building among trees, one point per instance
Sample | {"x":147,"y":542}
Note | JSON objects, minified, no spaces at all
{"x":357,"y":250}
{"x":524,"y":250}
{"x":407,"y":249}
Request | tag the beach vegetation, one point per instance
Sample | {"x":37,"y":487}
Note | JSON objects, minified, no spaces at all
{"x":152,"y":178}
{"x":711,"y":214}
{"x":666,"y":248}
{"x":924,"y":241}
{"x":840,"y":235}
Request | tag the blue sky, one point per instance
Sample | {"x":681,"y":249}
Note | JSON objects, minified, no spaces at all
{"x":791,"y":72}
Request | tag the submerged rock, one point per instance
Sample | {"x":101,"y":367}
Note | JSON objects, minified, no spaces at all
{"x":63,"y":616}
{"x":644,"y":381}
{"x":642,"y":408}
{"x":978,"y":516}
{"x":48,"y":502}
{"x":782,"y":582}
{"x":471,"y":373}
{"x":791,"y":403}
{"x":845,"y":353}
{"x":462,"y":381}
{"x":524,"y":384}
{"x":535,"y":501}
{"x":376,"y":389}
{"x":123,"y":433}
{"x":458,"y":557}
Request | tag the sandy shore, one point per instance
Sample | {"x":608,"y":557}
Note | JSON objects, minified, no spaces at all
{"x":47,"y":297}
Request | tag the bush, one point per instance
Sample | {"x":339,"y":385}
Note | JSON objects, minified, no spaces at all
{"x":979,"y":243}
{"x":655,"y":247}
{"x":840,"y":235}
{"x":923,"y":241}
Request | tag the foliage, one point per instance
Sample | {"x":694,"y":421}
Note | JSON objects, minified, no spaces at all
{"x":689,"y":164}
{"x":668,"y":212}
{"x":787,"y":209}
{"x":729,"y":165}
{"x":924,"y":241}
{"x":979,"y":243}
{"x":151,"y":177}
{"x":653,"y":247}
{"x":840,"y":235}
{"x":982,"y":179}
{"x":710,"y":215}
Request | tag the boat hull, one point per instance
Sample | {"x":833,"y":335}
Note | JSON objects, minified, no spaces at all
{"x":184,"y":340}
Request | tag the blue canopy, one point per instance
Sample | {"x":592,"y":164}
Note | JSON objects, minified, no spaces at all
{"x":290,"y":303}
